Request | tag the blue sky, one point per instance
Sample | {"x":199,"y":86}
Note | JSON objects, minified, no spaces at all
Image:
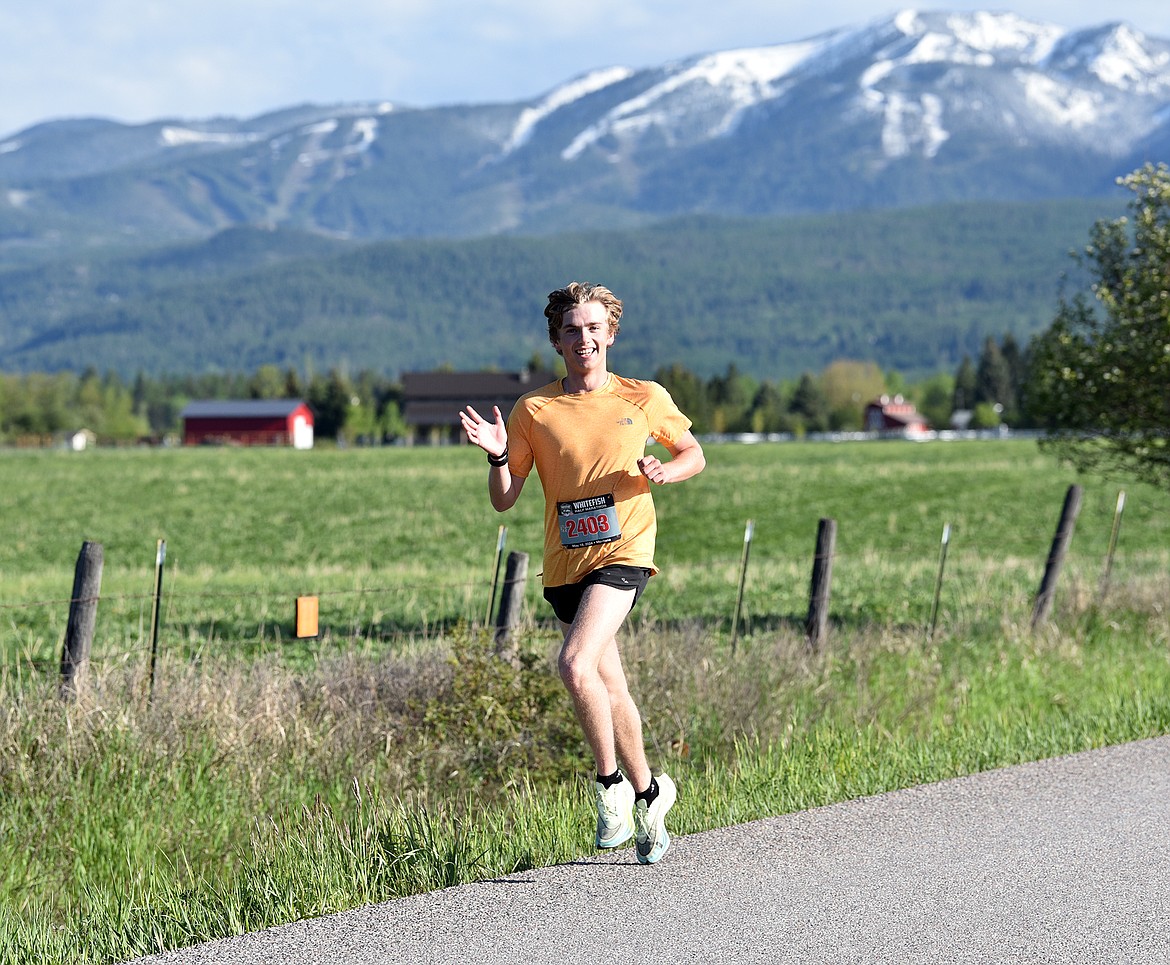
{"x":139,"y":60}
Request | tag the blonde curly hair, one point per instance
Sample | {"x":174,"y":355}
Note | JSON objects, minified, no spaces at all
{"x":579,"y":293}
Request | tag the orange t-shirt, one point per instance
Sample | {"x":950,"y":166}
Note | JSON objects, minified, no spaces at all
{"x":586,"y":448}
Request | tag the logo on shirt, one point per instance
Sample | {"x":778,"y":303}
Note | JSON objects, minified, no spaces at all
{"x":625,"y":422}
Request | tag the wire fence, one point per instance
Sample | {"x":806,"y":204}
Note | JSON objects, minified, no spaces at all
{"x":255,"y":617}
{"x":912,"y":579}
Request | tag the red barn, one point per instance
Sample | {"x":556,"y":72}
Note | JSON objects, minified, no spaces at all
{"x":249,"y":422}
{"x":895,"y":417}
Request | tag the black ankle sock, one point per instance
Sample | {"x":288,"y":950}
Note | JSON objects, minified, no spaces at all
{"x":610,"y":780}
{"x":649,"y":794}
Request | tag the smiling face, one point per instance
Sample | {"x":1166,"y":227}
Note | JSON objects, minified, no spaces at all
{"x":584,"y":337}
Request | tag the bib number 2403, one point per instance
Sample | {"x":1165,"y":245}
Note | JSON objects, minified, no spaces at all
{"x":587,"y":522}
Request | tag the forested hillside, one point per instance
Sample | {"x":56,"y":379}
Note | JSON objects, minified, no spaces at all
{"x":912,"y":290}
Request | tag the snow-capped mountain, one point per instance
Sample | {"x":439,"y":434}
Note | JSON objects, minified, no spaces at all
{"x":912,"y":109}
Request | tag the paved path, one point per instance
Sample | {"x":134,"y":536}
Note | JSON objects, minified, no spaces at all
{"x":1062,"y":861}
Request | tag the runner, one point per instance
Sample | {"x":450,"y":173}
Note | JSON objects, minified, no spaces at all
{"x":586,"y":435}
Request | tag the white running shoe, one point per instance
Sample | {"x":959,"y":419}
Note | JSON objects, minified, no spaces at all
{"x":650,"y":822}
{"x":615,"y":807}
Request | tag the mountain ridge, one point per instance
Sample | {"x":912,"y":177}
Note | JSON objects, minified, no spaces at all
{"x":915,"y":108}
{"x":116,"y":241}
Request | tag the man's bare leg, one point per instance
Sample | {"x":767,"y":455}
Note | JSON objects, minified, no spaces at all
{"x":591,"y":669}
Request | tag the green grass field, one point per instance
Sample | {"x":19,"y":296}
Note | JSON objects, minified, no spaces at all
{"x":270,"y":779}
{"x":400,"y":543}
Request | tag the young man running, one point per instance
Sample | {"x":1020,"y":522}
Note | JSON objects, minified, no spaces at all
{"x":586,"y":436}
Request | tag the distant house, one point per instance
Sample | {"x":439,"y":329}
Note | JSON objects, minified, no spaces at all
{"x":895,"y":417}
{"x":961,"y":419}
{"x":80,"y":440}
{"x":248,"y":422}
{"x":431,"y":401}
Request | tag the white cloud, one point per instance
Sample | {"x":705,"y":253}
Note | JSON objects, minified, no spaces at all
{"x":137,"y":60}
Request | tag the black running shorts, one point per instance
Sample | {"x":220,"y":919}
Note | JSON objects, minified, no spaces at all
{"x":565,"y":599}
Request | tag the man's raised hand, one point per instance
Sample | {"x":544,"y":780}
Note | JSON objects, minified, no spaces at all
{"x":491,"y":437}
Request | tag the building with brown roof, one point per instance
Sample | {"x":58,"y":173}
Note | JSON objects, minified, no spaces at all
{"x":431,"y":401}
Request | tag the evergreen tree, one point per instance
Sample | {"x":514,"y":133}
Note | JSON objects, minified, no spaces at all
{"x":1009,"y":348}
{"x":767,"y":410}
{"x":689,"y":394}
{"x":810,"y":405}
{"x":731,"y":398}
{"x":964,"y":397}
{"x":293,"y":388}
{"x":140,"y":393}
{"x":330,"y":398}
{"x":993,"y":378}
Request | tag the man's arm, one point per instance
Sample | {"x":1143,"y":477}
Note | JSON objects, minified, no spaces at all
{"x":686,"y":460}
{"x":503,"y":488}
{"x":492,"y":438}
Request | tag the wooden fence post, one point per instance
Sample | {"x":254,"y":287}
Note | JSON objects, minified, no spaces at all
{"x":160,"y":558}
{"x":1064,"y":533}
{"x":87,"y":588}
{"x":511,"y":601}
{"x":743,"y":565}
{"x":1112,"y":548}
{"x":501,"y":539}
{"x":822,"y":578}
{"x":942,"y":562}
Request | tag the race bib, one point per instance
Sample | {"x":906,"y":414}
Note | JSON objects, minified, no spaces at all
{"x":587,"y":522}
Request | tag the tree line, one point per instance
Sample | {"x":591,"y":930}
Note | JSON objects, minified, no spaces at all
{"x":39,"y":408}
{"x":988,"y":392}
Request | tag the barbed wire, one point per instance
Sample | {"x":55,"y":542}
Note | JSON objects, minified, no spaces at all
{"x":1026,"y":545}
{"x":235,"y":594}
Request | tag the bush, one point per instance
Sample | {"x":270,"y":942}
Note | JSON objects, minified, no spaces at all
{"x":496,"y":723}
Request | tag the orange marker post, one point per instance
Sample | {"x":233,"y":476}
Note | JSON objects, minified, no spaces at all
{"x":306,"y":617}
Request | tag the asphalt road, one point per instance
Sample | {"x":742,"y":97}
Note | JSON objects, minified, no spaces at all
{"x":1066,"y":861}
